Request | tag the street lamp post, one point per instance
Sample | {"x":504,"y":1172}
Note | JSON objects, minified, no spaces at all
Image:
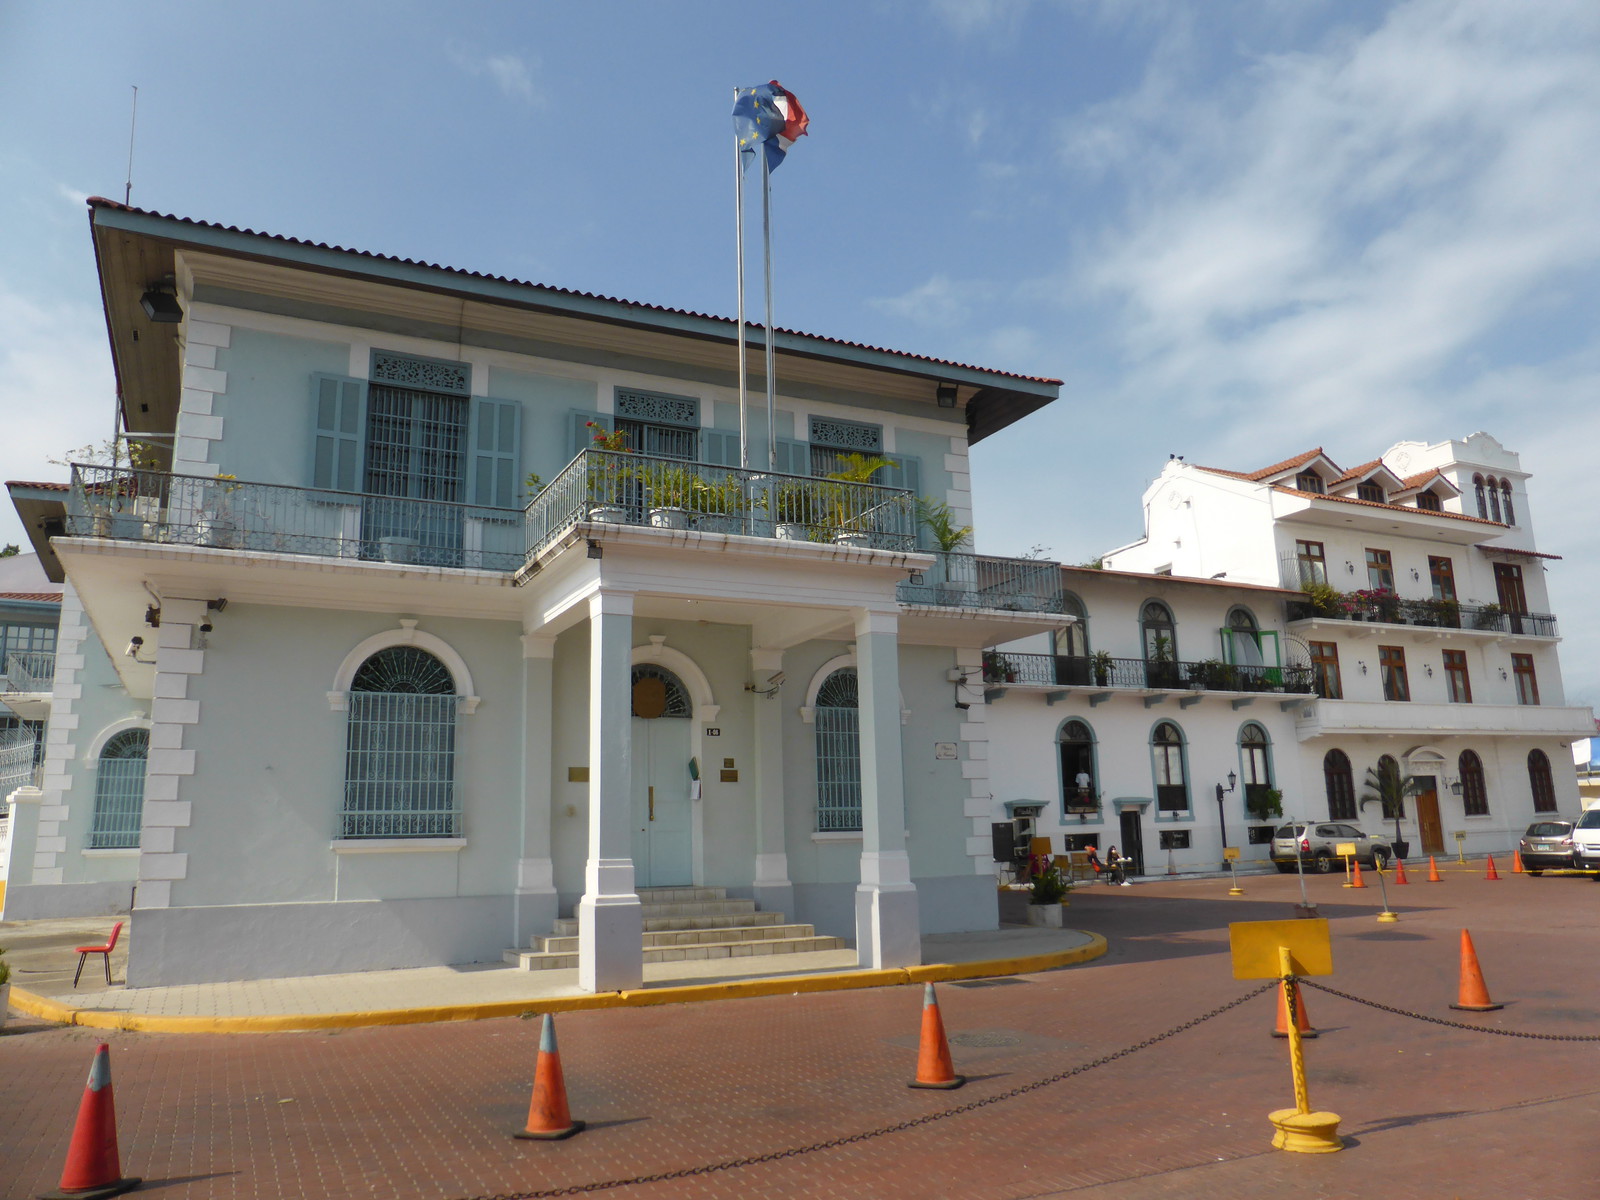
{"x":1222,"y":817}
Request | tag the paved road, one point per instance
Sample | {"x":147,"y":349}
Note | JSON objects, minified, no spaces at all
{"x":425,"y":1111}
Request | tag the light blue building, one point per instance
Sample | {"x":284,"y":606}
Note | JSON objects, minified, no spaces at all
{"x":385,"y":655}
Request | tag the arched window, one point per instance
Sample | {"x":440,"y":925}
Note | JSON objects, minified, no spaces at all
{"x":838,"y":724}
{"x":1544,"y":787}
{"x":1477,"y":489}
{"x":1494,"y":499}
{"x":1340,"y":784}
{"x":119,"y":791}
{"x":1073,"y":641}
{"x":1256,"y":759}
{"x":399,"y":776}
{"x":1474,"y":794}
{"x":1080,"y":791}
{"x":1244,"y":643}
{"x":1160,"y":640}
{"x":657,"y":692}
{"x":1172,"y":786}
{"x":1505,"y":496}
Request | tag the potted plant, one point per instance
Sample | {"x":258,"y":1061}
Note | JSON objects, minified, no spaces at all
{"x":672,"y":491}
{"x":1325,"y":600}
{"x":1047,"y":894}
{"x":1160,"y":670}
{"x":608,"y":476}
{"x":721,"y":504}
{"x":997,"y":668}
{"x":850,"y":508}
{"x":1489,"y":616}
{"x":959,"y":571}
{"x":1388,"y":786}
{"x":801,"y":510}
{"x":1103,"y":665}
{"x":1263,"y":803}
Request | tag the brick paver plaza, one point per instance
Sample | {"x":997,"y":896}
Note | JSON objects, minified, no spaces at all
{"x":427,"y":1110}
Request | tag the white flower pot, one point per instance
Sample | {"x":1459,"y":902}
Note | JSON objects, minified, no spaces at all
{"x":1045,"y":914}
{"x":669,"y":518}
{"x":611,"y":514}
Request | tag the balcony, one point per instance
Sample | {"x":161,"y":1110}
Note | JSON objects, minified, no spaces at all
{"x":616,"y":487}
{"x":224,"y":513}
{"x":29,"y":671}
{"x":1389,"y":609}
{"x":1050,"y":670}
{"x":983,"y":581}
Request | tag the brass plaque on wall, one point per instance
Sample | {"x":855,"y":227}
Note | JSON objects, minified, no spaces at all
{"x":577,"y":774}
{"x":730,"y":776}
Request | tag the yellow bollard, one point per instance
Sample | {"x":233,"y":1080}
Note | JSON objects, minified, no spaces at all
{"x":1299,"y":1129}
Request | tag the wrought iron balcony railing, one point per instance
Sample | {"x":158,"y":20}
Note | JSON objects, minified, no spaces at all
{"x":1427,"y":612}
{"x":19,"y":762}
{"x":29,"y":671}
{"x":1109,"y":672}
{"x":983,"y":581}
{"x":667,"y":493}
{"x":152,"y":506}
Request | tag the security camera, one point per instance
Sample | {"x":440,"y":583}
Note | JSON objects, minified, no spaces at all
{"x":134,"y":646}
{"x":206,"y":628}
{"x":776,"y":680}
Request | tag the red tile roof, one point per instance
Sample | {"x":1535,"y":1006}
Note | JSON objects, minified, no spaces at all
{"x":1406,"y":508}
{"x":44,"y":596}
{"x":1491,"y":548}
{"x":49,"y":487}
{"x":1357,"y":472}
{"x":102,"y":202}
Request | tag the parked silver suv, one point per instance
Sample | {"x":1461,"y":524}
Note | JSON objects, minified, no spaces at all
{"x":1586,"y":841}
{"x":1318,"y":846}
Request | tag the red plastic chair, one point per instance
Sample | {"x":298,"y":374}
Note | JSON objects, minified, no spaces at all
{"x":85,"y":951}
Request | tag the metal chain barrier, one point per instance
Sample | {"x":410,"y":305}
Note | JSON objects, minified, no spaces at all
{"x":1402,"y":1012}
{"x":581,"y":1189}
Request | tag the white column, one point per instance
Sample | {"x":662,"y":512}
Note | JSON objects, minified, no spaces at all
{"x":610,"y":922}
{"x":888,"y":933}
{"x":535,"y":909}
{"x":773,"y":890}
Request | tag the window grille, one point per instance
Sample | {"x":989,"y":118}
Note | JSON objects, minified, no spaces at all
{"x":431,"y":374}
{"x":838,"y":725}
{"x":658,"y":409}
{"x":400,"y":756}
{"x":119,"y":791}
{"x":678,"y":702}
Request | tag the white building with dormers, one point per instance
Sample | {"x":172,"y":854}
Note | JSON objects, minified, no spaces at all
{"x":1416,"y":597}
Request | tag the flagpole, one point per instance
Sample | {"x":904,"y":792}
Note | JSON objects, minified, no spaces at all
{"x":766,"y":238}
{"x":738,"y":224}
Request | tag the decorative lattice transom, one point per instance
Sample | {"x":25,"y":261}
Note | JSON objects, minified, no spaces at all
{"x":676,"y":703}
{"x":406,"y":670}
{"x":839,"y":690}
{"x":846,"y":435}
{"x":1076,"y":731}
{"x":659,"y":408}
{"x":425,"y":373}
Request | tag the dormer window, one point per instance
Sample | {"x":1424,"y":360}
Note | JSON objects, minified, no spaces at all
{"x":1309,"y":481}
{"x":1370,"y":491}
{"x":1429,"y":501}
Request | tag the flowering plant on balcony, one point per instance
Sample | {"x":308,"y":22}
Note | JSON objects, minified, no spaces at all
{"x":608,"y":476}
{"x":1382,"y":603}
{"x":1325,"y":599}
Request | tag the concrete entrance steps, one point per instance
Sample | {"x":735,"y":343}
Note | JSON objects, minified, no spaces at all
{"x":682,"y":923}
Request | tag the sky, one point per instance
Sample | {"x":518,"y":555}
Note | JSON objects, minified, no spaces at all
{"x":1236,"y":230}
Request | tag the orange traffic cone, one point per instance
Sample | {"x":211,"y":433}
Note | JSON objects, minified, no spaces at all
{"x":1355,"y":876}
{"x":1472,"y":995}
{"x":1400,"y":871}
{"x":1491,"y":873}
{"x":548,"y":1117}
{"x":1433,"y":871}
{"x":1516,"y":861}
{"x":934,"y":1069}
{"x":1301,"y":1017}
{"x":94,"y":1168}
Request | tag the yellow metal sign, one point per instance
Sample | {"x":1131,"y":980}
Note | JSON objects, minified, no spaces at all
{"x":1345,"y":849}
{"x":1230,"y":854}
{"x":1255,"y":948}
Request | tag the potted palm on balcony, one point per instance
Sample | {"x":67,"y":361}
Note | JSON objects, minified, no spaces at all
{"x":673,"y":493}
{"x":960,"y":571}
{"x":720,"y":504}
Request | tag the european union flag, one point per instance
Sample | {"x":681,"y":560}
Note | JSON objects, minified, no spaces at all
{"x":767,"y":115}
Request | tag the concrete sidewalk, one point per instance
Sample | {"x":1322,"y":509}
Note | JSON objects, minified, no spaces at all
{"x":43,"y":963}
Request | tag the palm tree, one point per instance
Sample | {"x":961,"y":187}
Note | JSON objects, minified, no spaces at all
{"x":1389,"y":786}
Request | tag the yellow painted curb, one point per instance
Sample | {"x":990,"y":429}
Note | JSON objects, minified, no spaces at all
{"x":733,"y":989}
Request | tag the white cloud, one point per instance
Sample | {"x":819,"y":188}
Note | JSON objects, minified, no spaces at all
{"x":511,"y":74}
{"x":967,"y":18}
{"x":940,"y":303}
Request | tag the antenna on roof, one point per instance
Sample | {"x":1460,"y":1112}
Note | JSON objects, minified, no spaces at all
{"x":133,"y":121}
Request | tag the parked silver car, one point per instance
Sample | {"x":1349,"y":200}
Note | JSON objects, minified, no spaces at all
{"x":1547,"y":846}
{"x":1318,"y":846}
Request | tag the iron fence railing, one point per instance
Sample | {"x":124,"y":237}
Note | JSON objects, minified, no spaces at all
{"x":634,"y":489}
{"x":153,"y":506}
{"x":19,"y":761}
{"x":29,"y":671}
{"x":1427,"y":612}
{"x":1109,"y":672}
{"x":985,"y":581}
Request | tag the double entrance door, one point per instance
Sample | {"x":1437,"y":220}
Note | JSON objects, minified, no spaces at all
{"x":663,"y":819}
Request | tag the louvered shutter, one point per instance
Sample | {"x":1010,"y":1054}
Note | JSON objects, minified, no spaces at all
{"x":339,"y":413}
{"x":794,"y":458}
{"x":496,"y":441}
{"x":719,"y":447}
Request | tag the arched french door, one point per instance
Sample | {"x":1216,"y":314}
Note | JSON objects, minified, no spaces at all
{"x":663,"y":813}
